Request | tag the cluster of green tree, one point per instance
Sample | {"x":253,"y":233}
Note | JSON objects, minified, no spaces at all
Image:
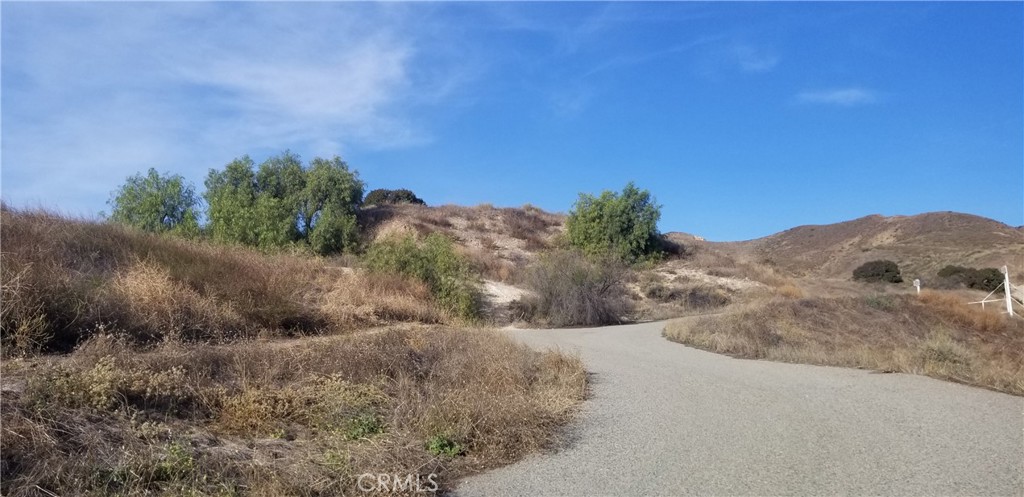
{"x":282,"y":202}
{"x":987,"y":279}
{"x":382,"y":196}
{"x":875,"y":271}
{"x":279,"y":203}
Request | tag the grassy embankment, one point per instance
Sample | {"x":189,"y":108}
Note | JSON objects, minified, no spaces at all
{"x":138,"y":364}
{"x":936,"y":334}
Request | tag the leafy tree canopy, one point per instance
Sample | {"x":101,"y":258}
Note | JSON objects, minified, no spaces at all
{"x":383,"y":196}
{"x":156,"y":203}
{"x":283,"y":202}
{"x":621,"y":224}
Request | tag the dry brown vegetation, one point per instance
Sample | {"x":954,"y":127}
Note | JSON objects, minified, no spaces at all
{"x":300,"y":417}
{"x":920,"y":244}
{"x":64,"y":279}
{"x":571,"y":289}
{"x":509,"y":236}
{"x":936,"y":334}
{"x":175,"y":375}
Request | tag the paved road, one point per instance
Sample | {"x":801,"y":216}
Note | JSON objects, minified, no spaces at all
{"x":665,"y":419}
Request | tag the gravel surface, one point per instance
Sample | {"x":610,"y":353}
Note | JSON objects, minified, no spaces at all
{"x":665,"y":419}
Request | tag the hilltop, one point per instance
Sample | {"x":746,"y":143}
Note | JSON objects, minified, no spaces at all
{"x":921,"y":244}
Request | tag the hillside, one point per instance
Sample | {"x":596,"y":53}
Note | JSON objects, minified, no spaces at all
{"x":920,"y":244}
{"x":141,"y":364}
{"x":497,"y":240}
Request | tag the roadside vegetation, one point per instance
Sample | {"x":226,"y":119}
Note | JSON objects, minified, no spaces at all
{"x":305,"y":417}
{"x":433,"y":262}
{"x":139,"y":363}
{"x":583,"y":282}
{"x":936,"y":334}
{"x":570,"y":289}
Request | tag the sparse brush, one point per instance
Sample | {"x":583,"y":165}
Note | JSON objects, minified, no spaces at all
{"x":64,"y":279}
{"x":361,"y":299}
{"x":303,"y":418}
{"x":790,"y":291}
{"x":572,"y":290}
{"x":937,"y":334}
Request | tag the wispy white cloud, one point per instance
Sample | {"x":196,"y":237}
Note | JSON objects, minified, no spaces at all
{"x":752,"y":59}
{"x":96,"y":92}
{"x":845,"y":97}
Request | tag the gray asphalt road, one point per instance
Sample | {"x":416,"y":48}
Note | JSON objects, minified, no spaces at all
{"x":665,"y":419}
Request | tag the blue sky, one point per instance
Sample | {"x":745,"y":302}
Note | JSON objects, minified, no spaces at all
{"x":743,"y":119}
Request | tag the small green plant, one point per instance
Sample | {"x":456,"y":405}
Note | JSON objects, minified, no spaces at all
{"x":177,"y":464}
{"x":364,"y":426}
{"x":442,"y":444}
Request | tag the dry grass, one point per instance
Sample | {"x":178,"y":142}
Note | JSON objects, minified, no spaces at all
{"x":63,"y":279}
{"x":362,"y":299}
{"x":936,"y":335}
{"x":790,"y":291}
{"x":490,"y":266}
{"x":173,"y":389}
{"x":570,"y":289}
{"x":303,"y":417}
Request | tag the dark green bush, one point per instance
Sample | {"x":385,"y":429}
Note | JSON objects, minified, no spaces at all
{"x":382,"y":196}
{"x":574,"y":290}
{"x":622,"y":225}
{"x":435,"y":262}
{"x":880,"y":270}
{"x":985,"y":279}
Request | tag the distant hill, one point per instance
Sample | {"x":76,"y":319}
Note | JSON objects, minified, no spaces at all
{"x":920,"y":244}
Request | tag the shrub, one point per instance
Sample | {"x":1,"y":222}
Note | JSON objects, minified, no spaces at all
{"x":986,"y":279}
{"x":436,"y":263}
{"x":573,"y":290}
{"x":382,"y":196}
{"x":62,"y":280}
{"x":523,"y":224}
{"x":442,"y":444}
{"x":623,"y":225}
{"x":880,"y":270}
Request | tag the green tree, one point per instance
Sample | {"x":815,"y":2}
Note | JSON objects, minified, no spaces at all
{"x":382,"y":196}
{"x":328,"y":205}
{"x":623,"y":225}
{"x":157,"y":204}
{"x":231,"y":201}
{"x":283,"y":203}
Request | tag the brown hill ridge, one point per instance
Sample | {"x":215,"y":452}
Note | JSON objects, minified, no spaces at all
{"x":500,"y":239}
{"x":921,"y":244}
